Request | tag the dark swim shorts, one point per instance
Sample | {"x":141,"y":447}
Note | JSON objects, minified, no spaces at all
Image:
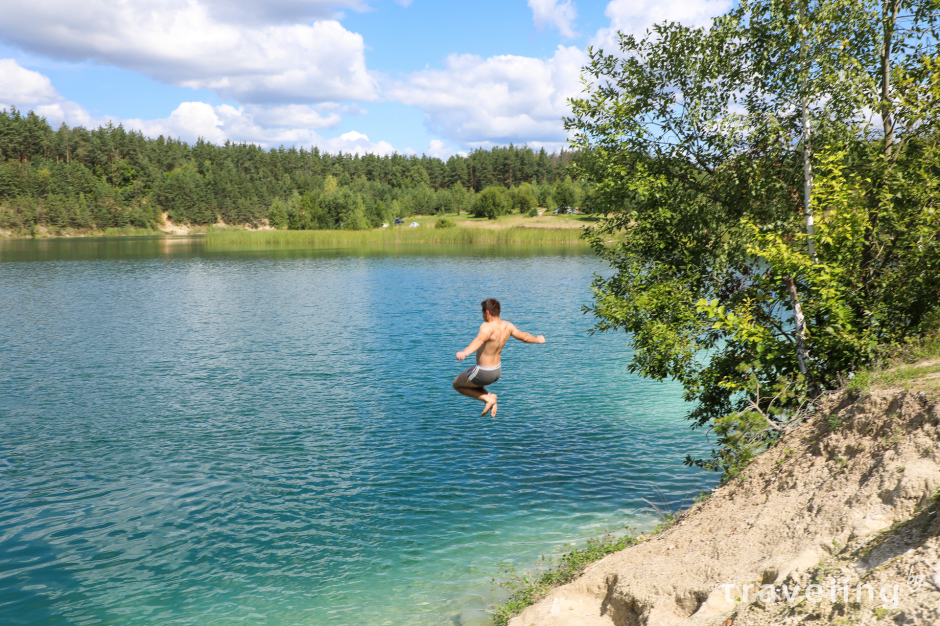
{"x":483,"y":376}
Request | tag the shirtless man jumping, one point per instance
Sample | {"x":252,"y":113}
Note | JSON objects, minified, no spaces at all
{"x":489,"y":342}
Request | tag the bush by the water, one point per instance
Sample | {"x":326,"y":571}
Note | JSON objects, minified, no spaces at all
{"x":443,"y":222}
{"x":527,"y":589}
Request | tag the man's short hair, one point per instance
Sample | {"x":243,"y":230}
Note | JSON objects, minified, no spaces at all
{"x":491,"y":305}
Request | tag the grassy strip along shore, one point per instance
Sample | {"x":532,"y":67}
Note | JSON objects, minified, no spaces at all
{"x":399,"y":235}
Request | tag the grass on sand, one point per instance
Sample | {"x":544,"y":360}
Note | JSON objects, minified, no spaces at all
{"x":916,"y":365}
{"x":527,"y":589}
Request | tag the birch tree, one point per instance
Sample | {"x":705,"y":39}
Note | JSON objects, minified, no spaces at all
{"x":737,"y":270}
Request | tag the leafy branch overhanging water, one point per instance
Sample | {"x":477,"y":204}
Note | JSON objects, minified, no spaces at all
{"x":783,"y":160}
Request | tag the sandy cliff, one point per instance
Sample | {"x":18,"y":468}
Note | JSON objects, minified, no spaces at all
{"x":839,"y":508}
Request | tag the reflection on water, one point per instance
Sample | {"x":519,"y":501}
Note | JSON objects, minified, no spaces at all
{"x":194,"y":435}
{"x":81,"y":248}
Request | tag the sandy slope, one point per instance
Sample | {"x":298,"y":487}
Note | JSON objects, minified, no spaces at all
{"x":171,"y":228}
{"x":838,"y":508}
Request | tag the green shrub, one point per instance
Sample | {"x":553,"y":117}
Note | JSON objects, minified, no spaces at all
{"x":445,"y":223}
{"x":491,"y":203}
{"x":523,"y":198}
{"x":527,"y":590}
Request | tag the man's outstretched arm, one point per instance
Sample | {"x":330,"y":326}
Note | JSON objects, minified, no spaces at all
{"x":526,"y":337}
{"x":474,"y":345}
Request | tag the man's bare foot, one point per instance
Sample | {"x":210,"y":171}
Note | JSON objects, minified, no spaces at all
{"x":490,"y":405}
{"x":493,"y":410}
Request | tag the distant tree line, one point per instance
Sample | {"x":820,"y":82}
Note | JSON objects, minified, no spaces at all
{"x":111,"y":177}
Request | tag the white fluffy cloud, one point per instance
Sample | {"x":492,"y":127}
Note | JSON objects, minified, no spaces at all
{"x":354,"y":142}
{"x":72,"y":114}
{"x":485,"y":102}
{"x":278,"y":11}
{"x":191,"y":120}
{"x":478,"y":101}
{"x":634,"y":17}
{"x":296,"y":116}
{"x":21,"y":87}
{"x":557,"y":13}
{"x":265,"y":126}
{"x":182,"y":42}
{"x":439,"y":149}
{"x":268,"y":126}
{"x":288,"y":63}
{"x":29,"y":90}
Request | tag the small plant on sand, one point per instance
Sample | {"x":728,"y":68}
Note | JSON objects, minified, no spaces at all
{"x":668,"y":521}
{"x":528,"y":589}
{"x":785,"y":455}
{"x":860,"y":382}
{"x":894,"y":439}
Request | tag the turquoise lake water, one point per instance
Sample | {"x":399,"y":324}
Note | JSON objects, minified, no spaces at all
{"x":201,"y":435}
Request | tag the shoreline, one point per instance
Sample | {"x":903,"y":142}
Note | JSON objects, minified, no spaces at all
{"x":469,"y":234}
{"x":45,"y":233}
{"x":467,"y":229}
{"x":514,"y":235}
{"x":846,"y":504}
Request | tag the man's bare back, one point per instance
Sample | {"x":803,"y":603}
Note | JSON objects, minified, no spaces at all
{"x":488,"y":345}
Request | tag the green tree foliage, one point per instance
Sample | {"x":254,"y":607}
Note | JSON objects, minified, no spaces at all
{"x":420,"y":201}
{"x":544,"y":196}
{"x":726,"y":279}
{"x":523,"y":198}
{"x":277,"y":214}
{"x":460,"y":198}
{"x":491,"y":203}
{"x":127,"y":179}
{"x":565,"y":194}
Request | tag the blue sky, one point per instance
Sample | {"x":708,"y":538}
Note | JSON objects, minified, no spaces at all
{"x":379,"y":76}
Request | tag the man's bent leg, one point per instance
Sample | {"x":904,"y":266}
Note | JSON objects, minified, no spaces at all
{"x":477,"y":393}
{"x":464,"y":386}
